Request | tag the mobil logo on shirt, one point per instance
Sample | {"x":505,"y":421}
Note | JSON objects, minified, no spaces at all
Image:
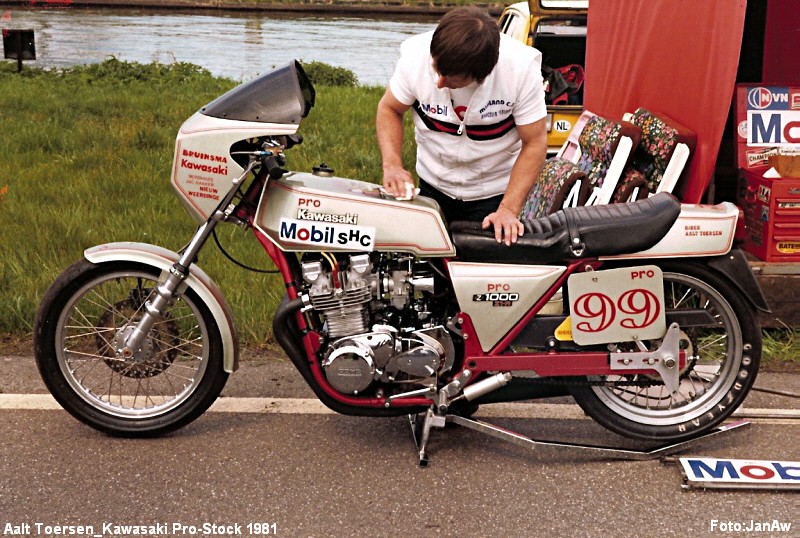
{"x":434,"y":109}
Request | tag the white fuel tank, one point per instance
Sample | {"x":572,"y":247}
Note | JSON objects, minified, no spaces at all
{"x":303,"y":212}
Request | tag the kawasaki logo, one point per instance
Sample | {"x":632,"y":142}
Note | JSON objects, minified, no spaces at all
{"x":305,"y":214}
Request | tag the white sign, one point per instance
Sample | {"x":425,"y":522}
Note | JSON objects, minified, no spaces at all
{"x":320,"y":234}
{"x":726,"y":473}
{"x":770,"y":128}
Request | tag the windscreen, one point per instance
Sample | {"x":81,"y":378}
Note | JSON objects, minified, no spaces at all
{"x":284,"y":95}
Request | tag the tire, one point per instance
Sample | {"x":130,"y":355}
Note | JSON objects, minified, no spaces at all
{"x":175,"y":376}
{"x":721,"y":366}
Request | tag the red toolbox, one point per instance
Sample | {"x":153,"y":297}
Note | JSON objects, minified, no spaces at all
{"x":772,"y":217}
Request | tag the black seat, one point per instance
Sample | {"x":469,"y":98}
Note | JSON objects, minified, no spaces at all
{"x":575,"y":232}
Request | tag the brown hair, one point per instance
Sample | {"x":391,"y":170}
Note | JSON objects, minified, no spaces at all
{"x":466,"y":43}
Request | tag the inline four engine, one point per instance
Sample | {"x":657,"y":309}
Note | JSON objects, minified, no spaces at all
{"x":379,"y":325}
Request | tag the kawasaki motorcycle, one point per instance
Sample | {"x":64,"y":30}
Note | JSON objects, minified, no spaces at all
{"x":641,"y":311}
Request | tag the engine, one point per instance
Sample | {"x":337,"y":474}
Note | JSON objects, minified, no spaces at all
{"x":382,"y":332}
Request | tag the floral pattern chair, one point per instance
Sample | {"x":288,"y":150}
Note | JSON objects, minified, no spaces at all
{"x":597,"y":147}
{"x":659,"y":161}
{"x":555,"y":180}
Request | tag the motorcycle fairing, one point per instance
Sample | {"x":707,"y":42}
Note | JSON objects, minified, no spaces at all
{"x":203,"y":170}
{"x":333,"y":206}
{"x":284,"y":95}
{"x":496,"y":296}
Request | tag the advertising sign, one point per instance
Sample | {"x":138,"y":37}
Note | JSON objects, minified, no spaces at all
{"x":768,"y":121}
{"x":727,"y":473}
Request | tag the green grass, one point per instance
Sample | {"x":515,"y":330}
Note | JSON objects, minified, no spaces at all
{"x":86,"y":160}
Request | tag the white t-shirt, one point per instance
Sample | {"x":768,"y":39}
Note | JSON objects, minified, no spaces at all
{"x":469,"y":158}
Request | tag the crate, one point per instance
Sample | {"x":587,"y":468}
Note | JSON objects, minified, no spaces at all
{"x":772,"y":217}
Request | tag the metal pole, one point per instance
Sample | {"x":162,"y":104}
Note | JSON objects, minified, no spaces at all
{"x":19,"y":52}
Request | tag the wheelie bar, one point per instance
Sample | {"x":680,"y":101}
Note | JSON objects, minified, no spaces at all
{"x":421,"y":425}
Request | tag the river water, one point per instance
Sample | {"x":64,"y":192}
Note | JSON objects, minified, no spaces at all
{"x":231,"y":44}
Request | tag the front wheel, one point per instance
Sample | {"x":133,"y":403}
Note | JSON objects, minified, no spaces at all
{"x":722,"y":357}
{"x":84,"y":318}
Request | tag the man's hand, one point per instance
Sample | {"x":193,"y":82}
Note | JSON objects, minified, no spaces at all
{"x":506,"y":225}
{"x":398,"y":182}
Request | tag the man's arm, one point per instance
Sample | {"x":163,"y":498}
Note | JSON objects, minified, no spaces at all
{"x":523,"y":175}
{"x":389,"y":126}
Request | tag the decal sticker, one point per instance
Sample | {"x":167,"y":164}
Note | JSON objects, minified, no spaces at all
{"x":307,"y":214}
{"x":760,"y":98}
{"x":764,"y":193}
{"x":342,"y":236}
{"x":773,"y":128}
{"x":497,"y":299}
{"x":760,"y":157}
{"x":742,"y":129}
{"x":562,"y":126}
{"x":789,"y":247}
{"x":564,"y":331}
{"x":204,"y":162}
{"x":695,"y":230}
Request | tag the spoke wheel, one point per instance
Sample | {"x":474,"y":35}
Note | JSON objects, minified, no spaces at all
{"x":722,"y":357}
{"x":81,"y":326}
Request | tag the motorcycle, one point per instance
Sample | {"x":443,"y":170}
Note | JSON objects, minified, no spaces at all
{"x":641,"y":311}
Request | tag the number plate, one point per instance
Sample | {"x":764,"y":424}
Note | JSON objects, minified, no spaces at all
{"x":617,"y":305}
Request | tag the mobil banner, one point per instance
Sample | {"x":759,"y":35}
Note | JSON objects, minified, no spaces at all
{"x":728,"y":473}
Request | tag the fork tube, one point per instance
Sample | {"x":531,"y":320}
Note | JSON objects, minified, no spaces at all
{"x":165,"y":292}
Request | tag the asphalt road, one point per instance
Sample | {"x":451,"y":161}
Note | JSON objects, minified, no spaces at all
{"x":319,"y":474}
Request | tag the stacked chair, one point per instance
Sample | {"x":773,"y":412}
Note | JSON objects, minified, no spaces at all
{"x":604,"y":161}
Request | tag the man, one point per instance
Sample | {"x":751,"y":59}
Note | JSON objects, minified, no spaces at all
{"x":479,"y":117}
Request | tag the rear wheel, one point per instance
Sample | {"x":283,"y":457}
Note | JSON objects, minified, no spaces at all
{"x":721,"y":365}
{"x":85,"y":317}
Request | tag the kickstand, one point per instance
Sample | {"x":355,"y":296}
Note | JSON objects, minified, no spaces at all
{"x":614,"y":453}
{"x":421,"y":424}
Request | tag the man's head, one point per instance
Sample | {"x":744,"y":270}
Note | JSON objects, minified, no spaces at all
{"x":465,"y":46}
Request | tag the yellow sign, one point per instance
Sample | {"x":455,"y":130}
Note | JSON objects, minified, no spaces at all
{"x":564,"y":331}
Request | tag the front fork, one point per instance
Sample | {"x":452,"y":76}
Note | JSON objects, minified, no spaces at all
{"x":165,"y":293}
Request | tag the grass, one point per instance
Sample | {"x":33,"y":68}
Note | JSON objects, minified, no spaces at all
{"x":86,"y":160}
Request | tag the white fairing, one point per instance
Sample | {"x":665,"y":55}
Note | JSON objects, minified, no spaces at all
{"x":203,"y":170}
{"x":303,"y":212}
{"x":700,"y":230}
{"x":197,"y":280}
{"x":496,"y":296}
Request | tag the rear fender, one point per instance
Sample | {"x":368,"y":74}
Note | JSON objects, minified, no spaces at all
{"x":198,"y":281}
{"x":735,"y":268}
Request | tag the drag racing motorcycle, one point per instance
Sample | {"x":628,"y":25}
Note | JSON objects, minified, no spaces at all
{"x":641,"y":311}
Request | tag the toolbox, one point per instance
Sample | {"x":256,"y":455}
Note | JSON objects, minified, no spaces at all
{"x":772,"y":217}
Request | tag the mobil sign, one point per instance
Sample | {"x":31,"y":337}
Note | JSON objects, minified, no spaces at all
{"x":773,"y":116}
{"x":727,"y":473}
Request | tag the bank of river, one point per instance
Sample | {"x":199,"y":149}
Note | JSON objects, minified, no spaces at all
{"x":233,"y":44}
{"x":350,"y":7}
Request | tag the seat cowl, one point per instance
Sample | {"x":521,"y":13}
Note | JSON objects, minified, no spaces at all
{"x":604,"y":230}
